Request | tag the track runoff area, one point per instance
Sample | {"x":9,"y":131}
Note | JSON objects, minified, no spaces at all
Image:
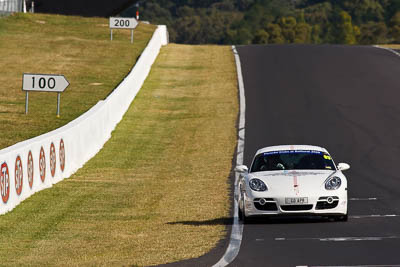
{"x":343,"y":98}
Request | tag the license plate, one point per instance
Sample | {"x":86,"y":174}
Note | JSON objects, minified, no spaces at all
{"x":296,"y":200}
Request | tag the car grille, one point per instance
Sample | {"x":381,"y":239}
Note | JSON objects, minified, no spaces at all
{"x":296,"y":207}
{"x":322,"y":203}
{"x":270,"y":205}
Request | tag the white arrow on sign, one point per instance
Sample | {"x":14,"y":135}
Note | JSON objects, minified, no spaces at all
{"x":44,"y":83}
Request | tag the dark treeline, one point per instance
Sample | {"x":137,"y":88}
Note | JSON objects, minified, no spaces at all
{"x":275,"y":21}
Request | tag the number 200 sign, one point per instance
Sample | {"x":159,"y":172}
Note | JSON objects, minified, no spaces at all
{"x":123,"y":23}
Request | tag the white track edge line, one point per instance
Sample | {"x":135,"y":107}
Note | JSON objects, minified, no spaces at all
{"x":388,"y":49}
{"x":363,"y":199}
{"x":338,"y":239}
{"x":237,"y":228}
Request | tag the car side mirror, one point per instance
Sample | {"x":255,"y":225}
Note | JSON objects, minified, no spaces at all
{"x":241,"y":168}
{"x":343,"y":166}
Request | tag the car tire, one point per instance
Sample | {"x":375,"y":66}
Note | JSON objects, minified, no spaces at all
{"x":242,"y":215}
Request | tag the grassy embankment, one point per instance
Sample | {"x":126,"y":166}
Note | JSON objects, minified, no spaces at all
{"x":79,"y":48}
{"x":392,"y":46}
{"x":157,"y":192}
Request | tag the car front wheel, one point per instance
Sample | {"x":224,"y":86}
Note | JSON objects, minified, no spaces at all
{"x":242,"y":215}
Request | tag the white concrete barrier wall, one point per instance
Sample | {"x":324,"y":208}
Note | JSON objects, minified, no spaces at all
{"x":40,"y":162}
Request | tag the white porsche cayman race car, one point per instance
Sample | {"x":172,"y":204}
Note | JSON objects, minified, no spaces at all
{"x":297,"y":179}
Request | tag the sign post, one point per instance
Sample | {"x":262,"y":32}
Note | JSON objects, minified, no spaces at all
{"x":122,"y":23}
{"x":44,"y":83}
{"x":26,"y":102}
{"x":58,"y":104}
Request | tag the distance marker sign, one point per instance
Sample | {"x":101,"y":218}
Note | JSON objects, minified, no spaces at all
{"x":123,"y":23}
{"x":44,"y":83}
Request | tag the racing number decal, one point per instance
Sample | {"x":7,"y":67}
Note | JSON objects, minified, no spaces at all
{"x":62,"y":155}
{"x":30,"y":169}
{"x":4,"y":182}
{"x":18,"y":175}
{"x":42,"y":164}
{"x":52,"y":160}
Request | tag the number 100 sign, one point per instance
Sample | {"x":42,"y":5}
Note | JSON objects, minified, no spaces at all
{"x":44,"y":83}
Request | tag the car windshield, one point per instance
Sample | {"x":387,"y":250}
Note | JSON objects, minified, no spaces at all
{"x":292,"y":160}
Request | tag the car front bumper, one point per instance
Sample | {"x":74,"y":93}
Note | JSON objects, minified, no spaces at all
{"x":325,"y":203}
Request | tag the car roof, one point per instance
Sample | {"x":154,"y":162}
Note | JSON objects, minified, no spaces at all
{"x":291,"y":147}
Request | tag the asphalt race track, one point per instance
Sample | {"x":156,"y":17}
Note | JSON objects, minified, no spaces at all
{"x":343,"y":98}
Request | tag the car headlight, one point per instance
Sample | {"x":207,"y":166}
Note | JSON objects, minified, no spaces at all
{"x":333,"y":183}
{"x":257,"y":185}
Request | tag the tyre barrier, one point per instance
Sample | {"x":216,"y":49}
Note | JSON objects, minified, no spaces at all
{"x":38,"y":163}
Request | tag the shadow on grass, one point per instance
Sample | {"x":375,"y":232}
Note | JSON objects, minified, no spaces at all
{"x":218,"y":221}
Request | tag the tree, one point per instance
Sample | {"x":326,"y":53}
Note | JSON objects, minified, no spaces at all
{"x":315,"y":34}
{"x":244,"y":36}
{"x":225,"y":5}
{"x":288,"y":25}
{"x":345,"y":30}
{"x":395,"y":34}
{"x":364,"y":10}
{"x":373,"y":33}
{"x":261,"y":37}
{"x":392,"y":8}
{"x":243,"y":5}
{"x":318,"y":14}
{"x":303,"y":33}
{"x":357,"y":32}
{"x":395,"y":20}
{"x":275,"y":21}
{"x":275,"y":34}
{"x":395,"y":28}
{"x":188,"y":30}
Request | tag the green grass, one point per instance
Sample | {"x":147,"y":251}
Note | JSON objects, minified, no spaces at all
{"x":158,"y":191}
{"x":79,"y":48}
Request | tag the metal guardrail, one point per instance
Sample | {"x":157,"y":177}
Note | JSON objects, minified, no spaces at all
{"x":8,"y":6}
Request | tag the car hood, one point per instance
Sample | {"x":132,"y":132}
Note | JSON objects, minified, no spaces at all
{"x":297,"y":182}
